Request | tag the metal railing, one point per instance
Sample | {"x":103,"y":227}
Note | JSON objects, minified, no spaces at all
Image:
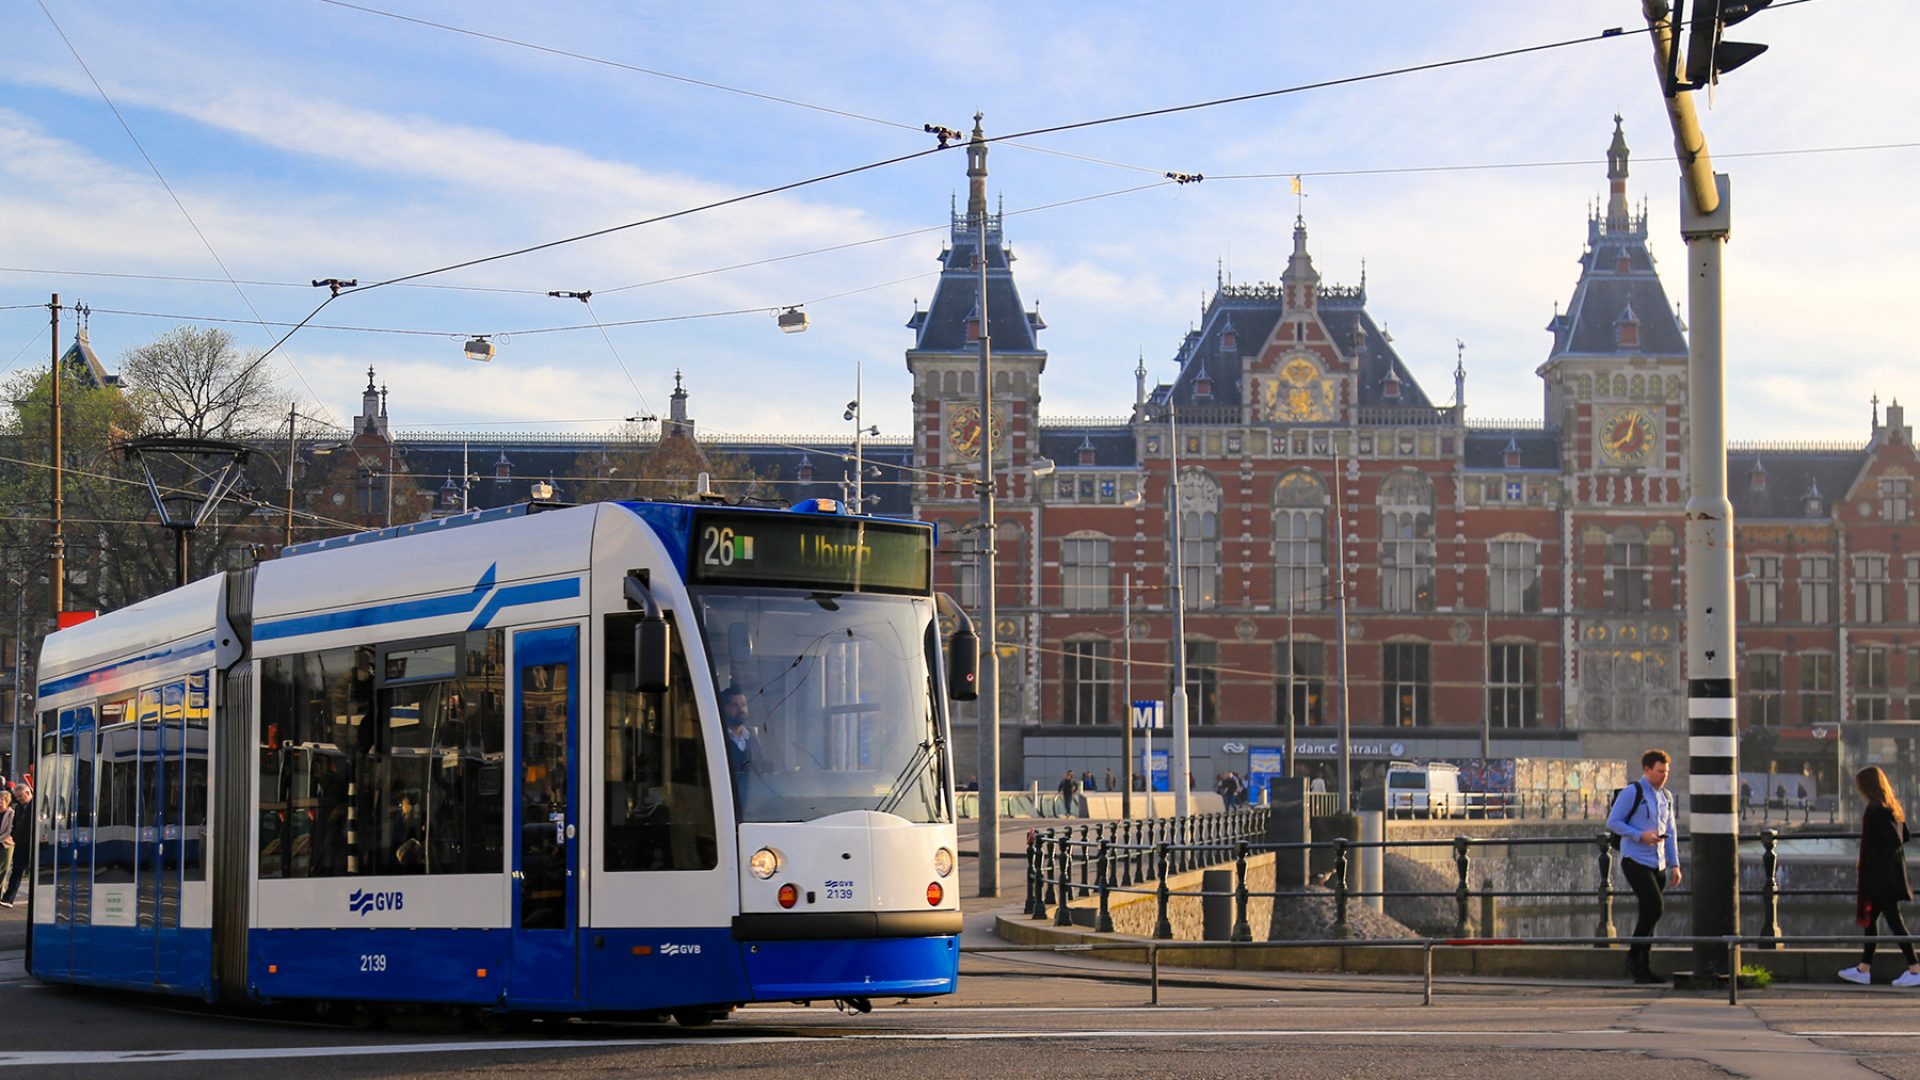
{"x":1136,"y":858}
{"x":1734,"y":944}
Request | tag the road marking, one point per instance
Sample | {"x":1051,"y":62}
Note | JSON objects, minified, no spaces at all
{"x":1855,"y":1034}
{"x":45,"y":1058}
{"x":944,"y":1010}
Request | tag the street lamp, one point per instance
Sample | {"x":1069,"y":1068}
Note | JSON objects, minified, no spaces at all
{"x":860,"y":432}
{"x":792,"y":320}
{"x":479,"y":348}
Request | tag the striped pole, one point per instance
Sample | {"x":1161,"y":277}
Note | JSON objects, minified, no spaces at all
{"x":1713,"y":759}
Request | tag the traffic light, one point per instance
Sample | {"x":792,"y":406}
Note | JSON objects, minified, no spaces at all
{"x":1708,"y":56}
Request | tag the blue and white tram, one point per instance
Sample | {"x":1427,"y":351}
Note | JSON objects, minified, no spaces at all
{"x":624,"y":757}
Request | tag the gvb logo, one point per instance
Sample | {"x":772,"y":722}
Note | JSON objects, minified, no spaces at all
{"x":361,"y":901}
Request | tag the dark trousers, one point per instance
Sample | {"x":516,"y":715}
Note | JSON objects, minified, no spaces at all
{"x":1896,"y":927}
{"x":1650,"y":887}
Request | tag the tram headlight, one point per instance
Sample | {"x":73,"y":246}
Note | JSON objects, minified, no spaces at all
{"x":943,"y":862}
{"x":764,"y":863}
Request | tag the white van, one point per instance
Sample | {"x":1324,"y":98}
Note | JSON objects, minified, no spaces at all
{"x":1429,"y":790}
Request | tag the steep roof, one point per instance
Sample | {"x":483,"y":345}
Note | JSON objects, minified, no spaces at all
{"x":942,"y":327}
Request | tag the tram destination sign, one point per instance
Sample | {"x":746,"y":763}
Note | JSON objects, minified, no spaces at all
{"x":805,"y":551}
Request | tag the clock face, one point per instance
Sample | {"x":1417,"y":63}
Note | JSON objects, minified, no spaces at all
{"x":1628,"y":437}
{"x":964,"y":430}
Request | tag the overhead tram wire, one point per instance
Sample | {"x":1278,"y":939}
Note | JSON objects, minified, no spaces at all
{"x":181,"y":206}
{"x":243,"y":500}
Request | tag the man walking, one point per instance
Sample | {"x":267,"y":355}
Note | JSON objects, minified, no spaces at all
{"x":1643,"y":818}
{"x":1069,"y":791}
{"x":22,"y":835}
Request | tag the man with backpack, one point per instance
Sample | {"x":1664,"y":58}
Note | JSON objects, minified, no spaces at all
{"x":1643,"y":818}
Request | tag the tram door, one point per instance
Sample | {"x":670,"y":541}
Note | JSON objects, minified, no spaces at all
{"x":546,"y":860}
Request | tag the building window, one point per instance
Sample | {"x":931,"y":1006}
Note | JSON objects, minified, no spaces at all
{"x":1896,"y":499}
{"x":1912,"y":568}
{"x":1406,"y":543}
{"x":1513,"y":575}
{"x":966,"y":572}
{"x":1763,"y":589}
{"x":1086,"y":682}
{"x":1203,"y":682}
{"x":1816,"y":689}
{"x":1199,"y":538}
{"x":1627,"y":572}
{"x":1085,"y":564}
{"x":1300,"y":543}
{"x":1869,"y":588}
{"x":1309,"y":681}
{"x":1816,"y":589}
{"x":1763,"y":705}
{"x":1513,"y":685}
{"x":1406,"y":684}
{"x":1869,"y":682}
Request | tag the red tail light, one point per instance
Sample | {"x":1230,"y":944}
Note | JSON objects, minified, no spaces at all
{"x":788,"y":895}
{"x":934,"y":893}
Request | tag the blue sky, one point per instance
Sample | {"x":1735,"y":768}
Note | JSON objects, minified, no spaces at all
{"x":311,"y":140}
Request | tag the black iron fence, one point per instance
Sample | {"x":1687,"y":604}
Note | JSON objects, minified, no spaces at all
{"x":1134,"y":858}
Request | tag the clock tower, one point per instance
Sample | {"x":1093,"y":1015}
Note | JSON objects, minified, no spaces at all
{"x":1616,"y":393}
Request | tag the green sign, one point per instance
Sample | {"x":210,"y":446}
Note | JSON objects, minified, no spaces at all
{"x":806,"y":551}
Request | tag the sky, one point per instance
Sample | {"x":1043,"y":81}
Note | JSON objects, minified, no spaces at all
{"x":305,"y":139}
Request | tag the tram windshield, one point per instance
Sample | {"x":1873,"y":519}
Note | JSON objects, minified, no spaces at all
{"x":827,"y":703}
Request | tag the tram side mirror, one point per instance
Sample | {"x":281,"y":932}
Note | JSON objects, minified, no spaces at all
{"x":963,"y":665}
{"x":652,"y":638}
{"x":652,"y":648}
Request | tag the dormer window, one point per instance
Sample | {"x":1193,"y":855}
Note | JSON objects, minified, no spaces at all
{"x":804,"y":474}
{"x":1086,"y":451}
{"x":1390,"y":386}
{"x":1626,"y":329}
{"x":973,"y":323}
{"x":1623,"y":264}
{"x":1757,"y":478}
{"x":1512,"y":460}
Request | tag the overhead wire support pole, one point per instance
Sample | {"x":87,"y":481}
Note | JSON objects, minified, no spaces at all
{"x":57,"y":578}
{"x":292,"y":415}
{"x":1712,"y":727}
{"x":1180,"y":771}
{"x":988,"y":710}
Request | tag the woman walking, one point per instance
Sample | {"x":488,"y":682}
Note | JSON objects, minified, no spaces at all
{"x":1883,"y":875}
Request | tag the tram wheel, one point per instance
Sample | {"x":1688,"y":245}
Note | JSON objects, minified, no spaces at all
{"x":701,"y":1017}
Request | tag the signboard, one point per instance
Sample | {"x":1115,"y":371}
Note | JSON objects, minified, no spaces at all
{"x":1363,"y":748}
{"x":1156,"y":769}
{"x":1264,"y":764}
{"x":1149,"y":715}
{"x":802,"y":551}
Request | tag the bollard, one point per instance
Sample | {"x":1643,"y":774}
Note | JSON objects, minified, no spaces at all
{"x":1049,"y":895}
{"x":1770,"y":885}
{"x":1426,"y":981}
{"x":1733,"y":969}
{"x":1340,"y":887}
{"x":1036,"y":909}
{"x":1241,"y":930}
{"x":1063,"y":913}
{"x":1463,"y":925}
{"x":1163,"y":925}
{"x":1216,"y":905}
{"x":1104,"y":923}
{"x":1153,"y":957}
{"x":1605,"y":929}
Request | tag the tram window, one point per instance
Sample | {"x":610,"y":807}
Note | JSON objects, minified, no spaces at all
{"x":118,"y":763}
{"x":193,"y":832}
{"x":659,"y":801}
{"x":48,"y":777}
{"x":423,"y":754}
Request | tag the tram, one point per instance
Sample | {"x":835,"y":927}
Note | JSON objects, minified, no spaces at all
{"x":633,"y":758}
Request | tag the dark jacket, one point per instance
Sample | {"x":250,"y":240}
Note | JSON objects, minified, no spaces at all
{"x":23,"y":826}
{"x":1883,"y":861}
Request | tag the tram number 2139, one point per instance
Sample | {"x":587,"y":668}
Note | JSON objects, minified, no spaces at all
{"x":373,"y":961}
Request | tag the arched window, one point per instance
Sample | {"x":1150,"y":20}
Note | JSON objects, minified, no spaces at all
{"x":1299,"y":542}
{"x":1200,"y":538}
{"x":1406,"y":542}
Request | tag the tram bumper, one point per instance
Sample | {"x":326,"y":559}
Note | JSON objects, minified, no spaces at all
{"x":850,"y":954}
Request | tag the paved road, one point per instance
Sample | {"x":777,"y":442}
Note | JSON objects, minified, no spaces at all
{"x":1052,"y":1015}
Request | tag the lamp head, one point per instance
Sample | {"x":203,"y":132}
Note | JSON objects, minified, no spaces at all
{"x":792,"y":320}
{"x":479,"y":348}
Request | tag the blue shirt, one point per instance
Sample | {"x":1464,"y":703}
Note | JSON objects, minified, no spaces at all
{"x":1655,"y":813}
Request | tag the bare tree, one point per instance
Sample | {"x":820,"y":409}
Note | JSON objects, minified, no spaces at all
{"x":192,"y":382}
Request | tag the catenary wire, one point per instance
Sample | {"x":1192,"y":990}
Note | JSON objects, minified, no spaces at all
{"x":171,"y":194}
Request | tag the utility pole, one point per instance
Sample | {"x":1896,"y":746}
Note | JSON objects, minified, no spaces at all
{"x":1713,"y":743}
{"x":1292,"y":586}
{"x":57,"y":580}
{"x":1340,"y":619}
{"x":291,"y":414}
{"x":1182,"y":763}
{"x":1126,"y":728}
{"x":989,"y":707}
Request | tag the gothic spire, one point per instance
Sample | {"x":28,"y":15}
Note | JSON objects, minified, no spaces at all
{"x":977,"y":170}
{"x":1618,"y":213}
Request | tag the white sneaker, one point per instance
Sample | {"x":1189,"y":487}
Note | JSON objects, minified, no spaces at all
{"x":1855,"y":975}
{"x":1907,"y":978}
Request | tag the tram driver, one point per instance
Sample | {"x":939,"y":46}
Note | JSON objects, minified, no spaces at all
{"x":742,"y":745}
